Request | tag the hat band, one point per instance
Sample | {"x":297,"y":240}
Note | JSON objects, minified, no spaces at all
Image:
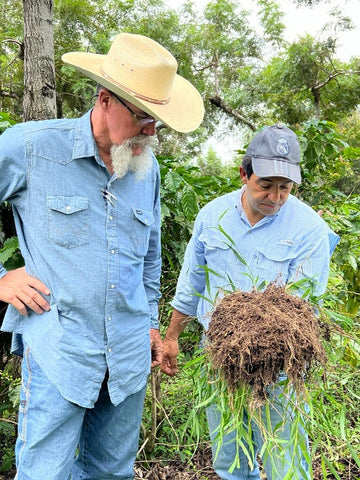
{"x":136,"y":94}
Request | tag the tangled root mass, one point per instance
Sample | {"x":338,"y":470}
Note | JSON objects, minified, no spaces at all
{"x":254,"y":336}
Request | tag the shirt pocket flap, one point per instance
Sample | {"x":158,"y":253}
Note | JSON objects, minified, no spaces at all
{"x":214,"y":240}
{"x":277,"y":254}
{"x":67,"y":205}
{"x":144,"y":216}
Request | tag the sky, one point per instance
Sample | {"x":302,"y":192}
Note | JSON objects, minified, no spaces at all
{"x":301,"y":20}
{"x":298,"y":21}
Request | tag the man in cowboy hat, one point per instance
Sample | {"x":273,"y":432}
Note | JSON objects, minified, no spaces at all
{"x":83,"y":310}
{"x":274,"y":237}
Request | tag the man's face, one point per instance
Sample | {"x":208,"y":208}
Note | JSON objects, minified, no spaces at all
{"x":124,"y":160}
{"x":264,"y":196}
{"x":132,"y":135}
{"x":124,"y":121}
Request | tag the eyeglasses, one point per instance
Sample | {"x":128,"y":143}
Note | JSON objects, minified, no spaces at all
{"x":141,"y":120}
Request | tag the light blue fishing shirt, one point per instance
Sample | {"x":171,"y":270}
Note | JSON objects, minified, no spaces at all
{"x":100,"y":258}
{"x":226,"y":252}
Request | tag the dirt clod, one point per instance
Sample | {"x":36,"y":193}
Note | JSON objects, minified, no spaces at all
{"x":254,"y":336}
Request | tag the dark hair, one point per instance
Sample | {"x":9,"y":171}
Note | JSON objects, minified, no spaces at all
{"x":247,"y":165}
{"x":98,"y":88}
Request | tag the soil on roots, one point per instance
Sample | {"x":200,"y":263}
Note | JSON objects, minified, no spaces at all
{"x":254,"y":336}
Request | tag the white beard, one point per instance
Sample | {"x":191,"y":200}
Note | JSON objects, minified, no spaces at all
{"x":123,"y":160}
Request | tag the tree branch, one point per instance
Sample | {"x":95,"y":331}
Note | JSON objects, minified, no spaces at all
{"x":4,"y":93}
{"x":19,"y":44}
{"x":332,"y":76}
{"x":218,"y":102}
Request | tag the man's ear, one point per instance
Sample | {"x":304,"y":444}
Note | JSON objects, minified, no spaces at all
{"x":243,"y":175}
{"x":104,"y":98}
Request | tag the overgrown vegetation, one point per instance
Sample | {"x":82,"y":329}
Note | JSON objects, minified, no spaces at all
{"x":335,"y":428}
{"x":333,"y":422}
{"x":304,"y":85}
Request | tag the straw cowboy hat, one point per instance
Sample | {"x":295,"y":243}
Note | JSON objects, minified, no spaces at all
{"x":143,"y":72}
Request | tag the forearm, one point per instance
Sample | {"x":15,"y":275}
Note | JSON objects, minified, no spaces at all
{"x":178,"y":323}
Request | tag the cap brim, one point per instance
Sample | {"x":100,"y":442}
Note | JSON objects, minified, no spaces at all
{"x":184,"y":112}
{"x":265,"y":167}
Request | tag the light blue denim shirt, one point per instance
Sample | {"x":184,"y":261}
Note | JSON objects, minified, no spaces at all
{"x":226,"y":252}
{"x":100,"y":259}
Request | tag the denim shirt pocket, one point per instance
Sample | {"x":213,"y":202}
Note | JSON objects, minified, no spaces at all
{"x":273,"y":264}
{"x":68,"y":222}
{"x":142,"y":220}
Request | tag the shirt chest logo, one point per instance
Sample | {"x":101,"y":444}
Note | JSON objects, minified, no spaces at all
{"x":287,"y":243}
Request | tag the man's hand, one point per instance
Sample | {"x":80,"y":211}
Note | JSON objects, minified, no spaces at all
{"x":177,"y":324}
{"x":21,"y":290}
{"x":169,"y":363}
{"x":156,"y":345}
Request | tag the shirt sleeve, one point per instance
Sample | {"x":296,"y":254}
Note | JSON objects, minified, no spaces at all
{"x":152,"y":261}
{"x":313,"y":261}
{"x":3,"y":270}
{"x":12,"y":167}
{"x":192,"y":279}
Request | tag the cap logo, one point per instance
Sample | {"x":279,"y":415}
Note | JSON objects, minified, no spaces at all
{"x":282,"y":146}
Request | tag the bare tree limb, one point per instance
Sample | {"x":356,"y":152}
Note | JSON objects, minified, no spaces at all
{"x":218,"y":102}
{"x":4,"y":93}
{"x":334,"y":75}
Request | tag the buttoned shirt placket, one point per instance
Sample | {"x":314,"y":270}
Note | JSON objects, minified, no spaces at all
{"x":113,"y":269}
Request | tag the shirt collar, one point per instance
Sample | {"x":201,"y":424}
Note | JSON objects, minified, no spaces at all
{"x":84,"y":142}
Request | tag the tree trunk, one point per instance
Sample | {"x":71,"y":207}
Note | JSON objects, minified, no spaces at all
{"x":39,"y":70}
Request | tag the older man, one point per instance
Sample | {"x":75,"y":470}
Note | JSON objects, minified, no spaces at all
{"x":278,"y":238}
{"x":85,"y":195}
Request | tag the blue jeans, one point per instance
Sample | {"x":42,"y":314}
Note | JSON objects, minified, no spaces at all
{"x":285,"y":461}
{"x":51,"y":429}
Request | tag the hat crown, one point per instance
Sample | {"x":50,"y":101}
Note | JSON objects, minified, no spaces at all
{"x":276,"y":141}
{"x":144,"y":73}
{"x":141,"y":66}
{"x":275,"y":152}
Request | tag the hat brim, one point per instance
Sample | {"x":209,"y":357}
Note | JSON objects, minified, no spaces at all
{"x":184,"y":112}
{"x":272,"y":167}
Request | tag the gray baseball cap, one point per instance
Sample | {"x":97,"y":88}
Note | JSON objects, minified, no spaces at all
{"x":275,"y":152}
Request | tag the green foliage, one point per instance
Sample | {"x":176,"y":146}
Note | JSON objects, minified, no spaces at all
{"x":11,"y":57}
{"x":219,"y":51}
{"x":334,"y":392}
{"x":349,"y":127}
{"x":307,"y":81}
{"x":9,"y":396}
{"x":5,"y":121}
{"x":10,"y":255}
{"x":323,"y":163}
{"x":184,"y":191}
{"x":173,"y":438}
{"x":326,"y":160}
{"x":210,"y":164}
{"x":334,"y":428}
{"x":270,"y":16}
{"x":329,"y":414}
{"x":344,"y":217}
